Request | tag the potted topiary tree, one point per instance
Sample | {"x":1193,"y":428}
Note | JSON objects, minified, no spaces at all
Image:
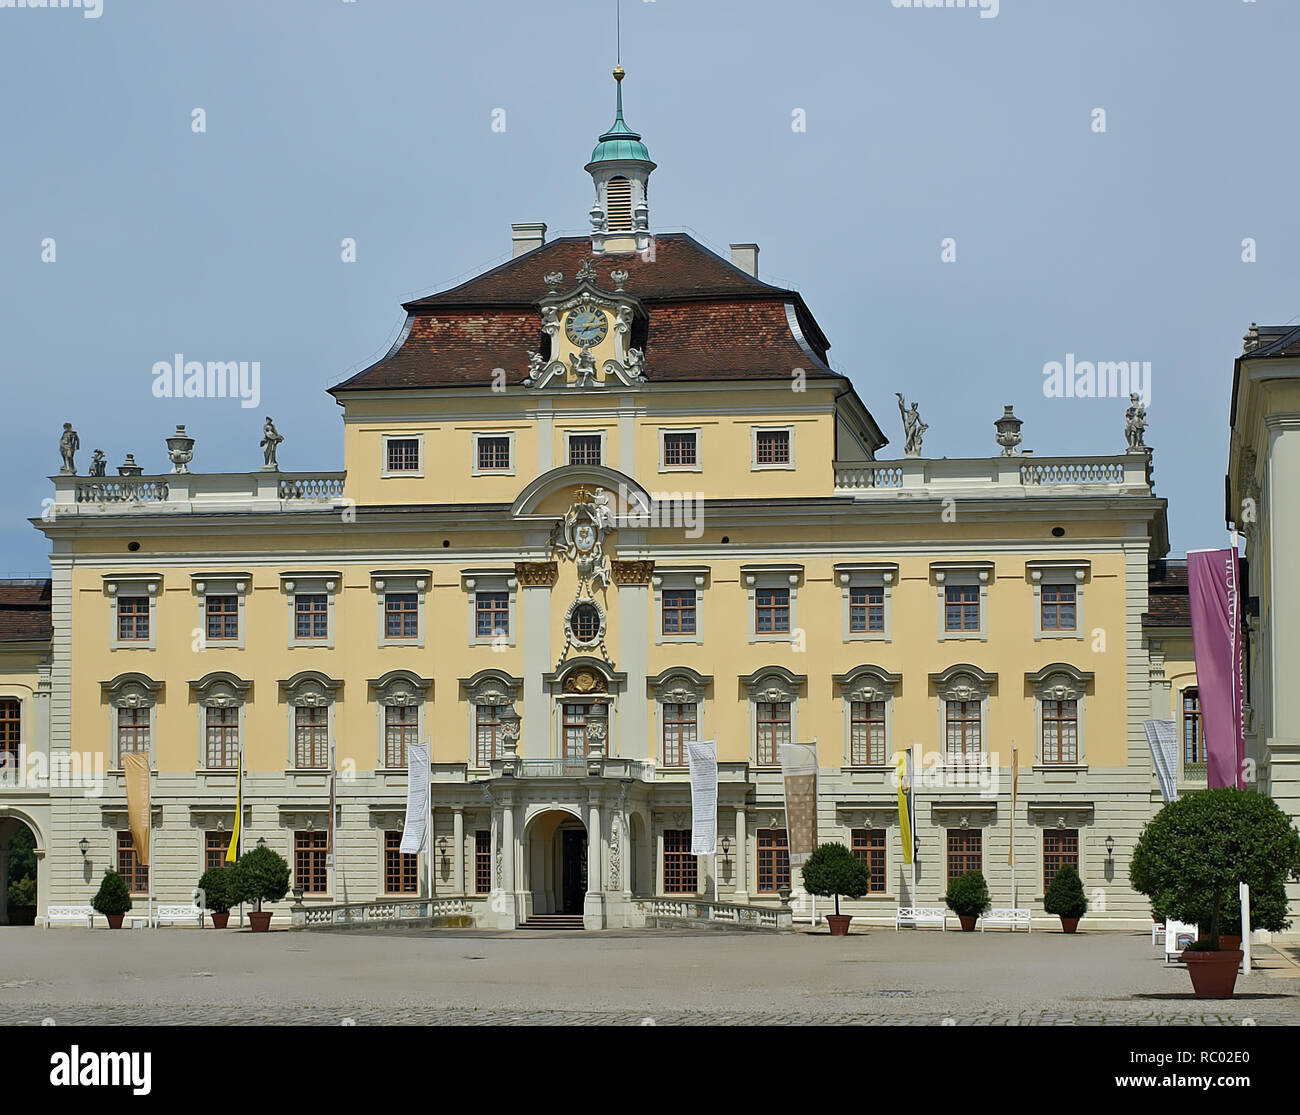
{"x":968,"y":898}
{"x":832,"y":870}
{"x":113,"y":899}
{"x":261,"y":875}
{"x":214,"y":894}
{"x":1065,"y":898}
{"x":1191,"y":857}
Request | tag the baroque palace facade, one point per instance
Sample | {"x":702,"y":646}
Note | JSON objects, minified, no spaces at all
{"x":602,"y":500}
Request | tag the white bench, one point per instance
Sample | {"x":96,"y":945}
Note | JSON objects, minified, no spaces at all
{"x":917,"y":916}
{"x":75,"y":914}
{"x":1013,"y":917}
{"x":171,"y":914}
{"x":1157,"y":932}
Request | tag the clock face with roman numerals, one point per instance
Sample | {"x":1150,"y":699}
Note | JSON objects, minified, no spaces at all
{"x":586,"y":327}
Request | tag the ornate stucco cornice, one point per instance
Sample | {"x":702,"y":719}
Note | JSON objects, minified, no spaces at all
{"x":537,"y":574}
{"x":632,"y":572}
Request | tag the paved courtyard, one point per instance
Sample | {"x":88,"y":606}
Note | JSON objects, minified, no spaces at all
{"x":180,"y":976}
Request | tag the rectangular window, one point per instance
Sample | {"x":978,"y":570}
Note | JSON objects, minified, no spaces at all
{"x":1058,"y":608}
{"x":492,"y":615}
{"x":680,"y":449}
{"x":867,"y":609}
{"x":223,"y":738}
{"x":1060,"y":731}
{"x":309,"y":868}
{"x":129,"y":867}
{"x":487,"y":733}
{"x":133,"y":619}
{"x":679,"y":730}
{"x":215,"y":844}
{"x":1193,"y":738}
{"x":493,"y":454}
{"x":401,"y":616}
{"x":772,"y":447}
{"x":311,"y":737}
{"x":961,"y":608}
{"x":132,"y":732}
{"x":773,"y":860}
{"x":772,"y":611}
{"x":681,"y":869}
{"x":584,"y":449}
{"x":867,"y":734}
{"x":401,"y":872}
{"x":679,"y":611}
{"x":11,"y":732}
{"x":965,"y":852}
{"x":869,"y":848}
{"x":963,"y":725}
{"x":575,"y":731}
{"x":401,"y":723}
{"x":1060,"y":846}
{"x":772,"y":719}
{"x":403,"y":454}
{"x":223,"y":618}
{"x":311,"y":616}
{"x":483,"y":861}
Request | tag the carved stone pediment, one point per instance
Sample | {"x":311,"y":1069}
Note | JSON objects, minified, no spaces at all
{"x":537,"y":574}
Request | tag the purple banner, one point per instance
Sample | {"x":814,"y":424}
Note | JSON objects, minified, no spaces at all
{"x":1214,"y":588}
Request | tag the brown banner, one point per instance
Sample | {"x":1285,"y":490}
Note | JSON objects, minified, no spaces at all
{"x":136,"y":767}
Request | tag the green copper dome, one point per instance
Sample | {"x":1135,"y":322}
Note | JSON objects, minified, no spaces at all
{"x":620,"y":143}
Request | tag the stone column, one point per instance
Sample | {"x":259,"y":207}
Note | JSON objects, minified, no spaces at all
{"x":503,"y":868}
{"x":742,"y":868}
{"x":458,"y":851}
{"x":593,"y":912}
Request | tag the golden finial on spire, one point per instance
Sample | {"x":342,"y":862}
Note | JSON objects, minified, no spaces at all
{"x":619,"y":73}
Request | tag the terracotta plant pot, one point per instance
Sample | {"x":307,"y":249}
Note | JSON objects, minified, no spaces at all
{"x":1214,"y":974}
{"x":967,"y":922}
{"x":839,"y":924}
{"x":261,"y":922}
{"x":220,"y":921}
{"x":115,"y":920}
{"x":1069,"y":925}
{"x":1229,"y":943}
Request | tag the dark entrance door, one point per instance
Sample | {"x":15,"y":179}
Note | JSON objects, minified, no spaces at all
{"x":573,"y":866}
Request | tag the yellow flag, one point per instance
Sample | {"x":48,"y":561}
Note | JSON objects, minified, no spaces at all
{"x":904,"y":803}
{"x":232,"y":853}
{"x":136,"y":767}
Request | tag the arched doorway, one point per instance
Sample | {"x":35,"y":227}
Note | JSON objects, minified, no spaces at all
{"x":555,"y":862}
{"x":17,"y":872}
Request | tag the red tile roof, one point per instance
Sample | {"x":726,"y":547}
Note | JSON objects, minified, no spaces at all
{"x":25,"y":611}
{"x":1167,"y":599}
{"x":708,"y":321}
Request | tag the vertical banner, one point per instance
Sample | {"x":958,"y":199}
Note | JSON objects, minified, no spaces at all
{"x":1015,"y":785}
{"x":799,"y":771}
{"x":329,"y":840}
{"x":232,"y":852}
{"x":136,"y":767}
{"x":903,"y":771}
{"x":417,"y":799}
{"x":1215,"y":593}
{"x":703,"y":758}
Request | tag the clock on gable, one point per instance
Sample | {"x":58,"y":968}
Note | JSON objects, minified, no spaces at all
{"x":586,"y":326}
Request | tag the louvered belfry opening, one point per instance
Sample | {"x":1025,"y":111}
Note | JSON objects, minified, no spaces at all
{"x":618,"y":201}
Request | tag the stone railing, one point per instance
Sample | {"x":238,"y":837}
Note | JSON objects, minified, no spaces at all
{"x":379,"y":913}
{"x":991,"y":477}
{"x":721,"y":914}
{"x":178,"y":493}
{"x":594,"y":766}
{"x":1195,"y":772}
{"x":552,"y":768}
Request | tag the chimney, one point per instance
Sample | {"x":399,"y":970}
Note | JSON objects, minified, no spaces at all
{"x":528,"y":238}
{"x":745,"y":256}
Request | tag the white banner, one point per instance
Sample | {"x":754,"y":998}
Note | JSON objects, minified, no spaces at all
{"x":703,"y":758}
{"x":417,"y":799}
{"x":799,"y":770}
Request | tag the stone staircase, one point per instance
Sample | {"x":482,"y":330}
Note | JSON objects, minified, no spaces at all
{"x":553,"y":922}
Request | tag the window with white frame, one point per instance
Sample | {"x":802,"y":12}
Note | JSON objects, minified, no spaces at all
{"x":679,"y":704}
{"x":963,"y":696}
{"x":771,"y":447}
{"x":134,"y":599}
{"x":221,"y":698}
{"x":490,"y":696}
{"x":773,"y":704}
{"x":403,"y":455}
{"x":492,"y":596}
{"x":132,"y":701}
{"x":221,"y":598}
{"x":1058,"y":588}
{"x":867,"y":589}
{"x":399,"y":698}
{"x":310,"y":697}
{"x":773,"y":599}
{"x":1060,"y":692}
{"x":310,"y":601}
{"x":585,"y":447}
{"x":867,"y":694}
{"x":678,"y":603}
{"x":400,"y":595}
{"x":494,"y":453}
{"x":679,"y":450}
{"x":963,"y":598}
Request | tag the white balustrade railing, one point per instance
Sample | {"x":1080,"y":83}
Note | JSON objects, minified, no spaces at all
{"x":702,"y":910}
{"x":921,"y":477}
{"x":378,"y":913}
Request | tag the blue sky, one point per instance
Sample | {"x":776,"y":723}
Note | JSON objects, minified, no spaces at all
{"x":373,"y":120}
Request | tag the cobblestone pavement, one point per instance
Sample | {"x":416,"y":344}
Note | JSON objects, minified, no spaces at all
{"x":469,"y":978}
